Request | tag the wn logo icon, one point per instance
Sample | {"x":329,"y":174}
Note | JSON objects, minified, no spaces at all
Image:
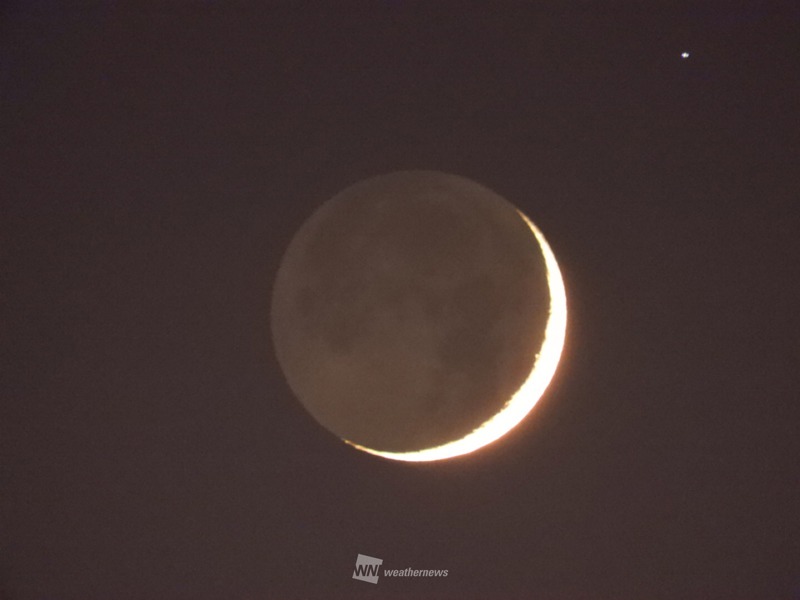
{"x":367,"y":568}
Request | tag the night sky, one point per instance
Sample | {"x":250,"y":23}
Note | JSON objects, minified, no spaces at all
{"x":156,"y":163}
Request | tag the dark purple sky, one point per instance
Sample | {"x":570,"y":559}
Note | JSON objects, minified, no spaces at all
{"x":155,"y":164}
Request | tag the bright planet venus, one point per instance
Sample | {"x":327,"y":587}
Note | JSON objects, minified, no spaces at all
{"x":418,"y":315}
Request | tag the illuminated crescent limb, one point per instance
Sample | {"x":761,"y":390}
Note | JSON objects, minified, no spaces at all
{"x":523,"y":401}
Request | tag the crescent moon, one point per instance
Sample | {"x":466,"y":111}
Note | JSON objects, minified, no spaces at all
{"x":523,"y":401}
{"x":418,"y":316}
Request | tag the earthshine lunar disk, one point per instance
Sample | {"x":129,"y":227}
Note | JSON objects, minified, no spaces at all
{"x":418,"y":315}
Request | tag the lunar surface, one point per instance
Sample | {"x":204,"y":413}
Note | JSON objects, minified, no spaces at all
{"x":418,"y":315}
